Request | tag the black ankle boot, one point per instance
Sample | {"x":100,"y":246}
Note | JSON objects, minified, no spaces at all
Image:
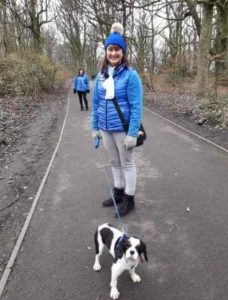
{"x":126,"y":206}
{"x":118,"y":196}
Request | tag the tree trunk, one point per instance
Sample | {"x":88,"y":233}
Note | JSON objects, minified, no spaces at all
{"x":221,"y":40}
{"x":192,"y":9}
{"x":4,"y":27}
{"x":35,"y":27}
{"x":204,"y":44}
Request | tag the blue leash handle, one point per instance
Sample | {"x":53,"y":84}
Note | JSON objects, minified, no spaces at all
{"x":96,"y":142}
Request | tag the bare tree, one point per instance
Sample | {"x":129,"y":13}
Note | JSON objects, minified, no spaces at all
{"x":192,"y":4}
{"x":204,"y":45}
{"x":3,"y":19}
{"x":220,"y":53}
{"x":31,"y":15}
{"x":49,"y":42}
{"x":73,"y":27}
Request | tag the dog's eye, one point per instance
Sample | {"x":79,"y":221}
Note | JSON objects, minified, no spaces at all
{"x":139,"y":249}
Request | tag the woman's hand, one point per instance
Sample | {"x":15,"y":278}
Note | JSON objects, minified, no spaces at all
{"x":96,"y":134}
{"x":130,"y":142}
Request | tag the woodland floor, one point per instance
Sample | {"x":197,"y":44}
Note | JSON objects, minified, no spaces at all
{"x":184,"y":111}
{"x":29,"y":131}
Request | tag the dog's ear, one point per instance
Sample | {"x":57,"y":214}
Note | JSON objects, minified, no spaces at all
{"x":121,"y":247}
{"x":143,"y":252}
{"x":118,"y":252}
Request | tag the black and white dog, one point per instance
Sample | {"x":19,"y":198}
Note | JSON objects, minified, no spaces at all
{"x":126,"y":251}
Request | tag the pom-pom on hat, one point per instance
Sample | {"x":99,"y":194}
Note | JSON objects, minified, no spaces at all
{"x":116,"y":37}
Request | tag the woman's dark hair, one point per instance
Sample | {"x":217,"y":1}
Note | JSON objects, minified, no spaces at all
{"x":105,"y":63}
{"x":80,"y":69}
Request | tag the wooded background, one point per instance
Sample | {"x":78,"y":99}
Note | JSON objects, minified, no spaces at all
{"x":184,"y":39}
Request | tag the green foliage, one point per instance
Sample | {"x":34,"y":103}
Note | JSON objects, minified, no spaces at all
{"x":215,"y":110}
{"x":26,"y":74}
{"x":213,"y":118}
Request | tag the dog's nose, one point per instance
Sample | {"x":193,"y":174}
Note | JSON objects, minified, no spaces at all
{"x":132,"y":252}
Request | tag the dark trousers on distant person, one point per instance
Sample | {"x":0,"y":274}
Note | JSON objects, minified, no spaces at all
{"x":82,"y":97}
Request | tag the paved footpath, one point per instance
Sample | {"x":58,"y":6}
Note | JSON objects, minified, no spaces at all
{"x":187,"y":248}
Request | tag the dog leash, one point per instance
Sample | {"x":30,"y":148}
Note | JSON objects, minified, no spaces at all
{"x":96,"y":145}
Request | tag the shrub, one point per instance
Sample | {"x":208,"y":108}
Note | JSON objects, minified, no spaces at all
{"x":62,"y":76}
{"x":29,"y":73}
{"x":215,"y":110}
{"x":214,"y":118}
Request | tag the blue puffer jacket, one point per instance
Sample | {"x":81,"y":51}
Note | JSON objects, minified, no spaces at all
{"x":128,"y":93}
{"x":81,"y":83}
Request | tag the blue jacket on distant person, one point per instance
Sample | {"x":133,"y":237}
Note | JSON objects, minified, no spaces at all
{"x":129,"y":95}
{"x":81,"y":83}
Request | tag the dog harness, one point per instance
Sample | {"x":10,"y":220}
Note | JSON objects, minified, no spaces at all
{"x":119,"y":240}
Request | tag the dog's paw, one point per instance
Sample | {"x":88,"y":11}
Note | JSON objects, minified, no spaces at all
{"x":114,"y":294}
{"x":135,"y":278}
{"x":97,"y":267}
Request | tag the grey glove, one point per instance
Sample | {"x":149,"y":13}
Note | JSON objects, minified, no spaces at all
{"x":130,"y":142}
{"x":96,"y":134}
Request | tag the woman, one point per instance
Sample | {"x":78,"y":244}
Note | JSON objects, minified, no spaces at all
{"x":81,"y":86}
{"x":118,"y":80}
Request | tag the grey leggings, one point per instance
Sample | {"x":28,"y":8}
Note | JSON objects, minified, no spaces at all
{"x":122,"y":161}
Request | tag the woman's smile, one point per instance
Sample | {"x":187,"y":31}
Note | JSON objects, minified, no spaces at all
{"x":114,"y":55}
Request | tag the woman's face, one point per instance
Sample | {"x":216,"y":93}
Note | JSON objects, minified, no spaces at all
{"x":114,"y":55}
{"x":81,"y":72}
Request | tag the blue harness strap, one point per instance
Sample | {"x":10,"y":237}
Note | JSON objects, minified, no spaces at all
{"x":120,"y":239}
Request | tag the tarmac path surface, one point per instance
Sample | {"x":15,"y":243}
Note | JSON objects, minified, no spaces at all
{"x":181,"y":213}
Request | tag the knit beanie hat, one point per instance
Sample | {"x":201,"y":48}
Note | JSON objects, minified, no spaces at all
{"x":116,"y":37}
